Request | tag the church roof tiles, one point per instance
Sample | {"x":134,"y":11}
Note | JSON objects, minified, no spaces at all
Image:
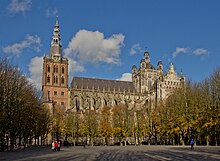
{"x":102,"y":84}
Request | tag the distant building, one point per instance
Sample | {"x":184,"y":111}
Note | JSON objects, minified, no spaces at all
{"x":148,"y":83}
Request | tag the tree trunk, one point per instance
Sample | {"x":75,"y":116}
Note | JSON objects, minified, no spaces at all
{"x":149,"y":140}
{"x":125,"y":142}
{"x":91,"y":141}
{"x":207,"y":140}
{"x":35,"y":141}
{"x":182,"y":139}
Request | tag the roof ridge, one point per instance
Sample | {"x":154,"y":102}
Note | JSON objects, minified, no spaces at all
{"x":101,"y":79}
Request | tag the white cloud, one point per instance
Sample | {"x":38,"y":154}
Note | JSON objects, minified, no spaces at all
{"x":198,"y":52}
{"x":125,"y":77}
{"x":179,"y":51}
{"x":135,"y":49}
{"x":74,"y":67}
{"x":36,"y":71}
{"x":32,"y":42}
{"x":17,"y":6}
{"x":51,"y":12}
{"x":88,"y":46}
{"x":201,"y":51}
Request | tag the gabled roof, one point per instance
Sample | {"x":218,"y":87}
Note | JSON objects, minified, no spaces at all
{"x":150,"y":66}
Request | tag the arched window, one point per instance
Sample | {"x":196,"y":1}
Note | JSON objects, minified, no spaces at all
{"x":55,"y":69}
{"x":56,"y":79}
{"x":98,"y":103}
{"x":62,"y":80}
{"x":77,"y":104}
{"x":116,"y":103}
{"x":48,"y":79}
{"x":87,"y":103}
{"x":105,"y":102}
{"x":94,"y":103}
{"x":48,"y":68}
{"x":63,"y":70}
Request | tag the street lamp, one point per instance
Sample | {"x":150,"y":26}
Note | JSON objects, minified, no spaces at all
{"x":53,"y":126}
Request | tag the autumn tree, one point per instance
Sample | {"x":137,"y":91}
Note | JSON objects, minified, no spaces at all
{"x":72,"y":126}
{"x":90,"y":125}
{"x":105,"y":128}
{"x":21,"y":115}
{"x":121,"y":122}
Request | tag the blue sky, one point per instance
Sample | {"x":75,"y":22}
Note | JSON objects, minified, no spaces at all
{"x":103,"y":39}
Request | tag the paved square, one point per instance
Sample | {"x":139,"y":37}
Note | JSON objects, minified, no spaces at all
{"x":116,"y":153}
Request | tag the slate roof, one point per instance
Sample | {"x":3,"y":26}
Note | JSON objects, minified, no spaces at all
{"x":148,"y":65}
{"x":107,"y":85}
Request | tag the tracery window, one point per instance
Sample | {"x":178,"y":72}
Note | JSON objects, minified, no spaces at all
{"x":55,"y":69}
{"x":62,"y":80}
{"x":48,"y":79}
{"x":63,"y":70}
{"x":56,"y":79}
{"x":48,"y":68}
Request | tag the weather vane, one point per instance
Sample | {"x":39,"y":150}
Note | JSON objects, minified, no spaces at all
{"x":146,"y":49}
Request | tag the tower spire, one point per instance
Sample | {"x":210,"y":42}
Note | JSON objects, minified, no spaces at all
{"x":56,"y":46}
{"x":146,"y":56}
{"x":57,"y":24}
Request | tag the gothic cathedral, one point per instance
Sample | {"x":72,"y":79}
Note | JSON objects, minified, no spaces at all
{"x":149,"y":84}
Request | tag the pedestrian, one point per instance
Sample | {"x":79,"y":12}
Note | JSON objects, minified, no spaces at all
{"x":56,"y":145}
{"x":53,"y":146}
{"x":84,"y":144}
{"x":192,"y":143}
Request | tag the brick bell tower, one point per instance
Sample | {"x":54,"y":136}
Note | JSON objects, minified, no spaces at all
{"x":55,"y":73}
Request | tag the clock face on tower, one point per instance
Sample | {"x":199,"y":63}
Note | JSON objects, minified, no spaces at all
{"x":56,"y":58}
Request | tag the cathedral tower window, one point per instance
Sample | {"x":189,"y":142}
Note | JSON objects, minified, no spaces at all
{"x":62,"y":93}
{"x":55,"y":69}
{"x":62,"y":80}
{"x":56,"y":79}
{"x":63,"y":70}
{"x":48,"y":68}
{"x":48,"y":79}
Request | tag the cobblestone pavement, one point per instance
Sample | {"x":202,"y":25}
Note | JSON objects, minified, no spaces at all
{"x":116,"y":153}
